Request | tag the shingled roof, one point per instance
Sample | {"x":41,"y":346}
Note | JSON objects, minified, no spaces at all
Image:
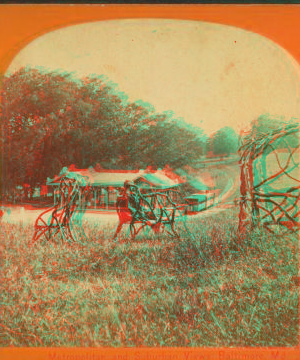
{"x":116,"y":178}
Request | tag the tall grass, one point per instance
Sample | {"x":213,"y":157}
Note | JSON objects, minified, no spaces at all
{"x":208,"y":289}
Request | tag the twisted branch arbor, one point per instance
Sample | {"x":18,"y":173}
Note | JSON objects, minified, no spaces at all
{"x":63,"y":220}
{"x":270,"y":180}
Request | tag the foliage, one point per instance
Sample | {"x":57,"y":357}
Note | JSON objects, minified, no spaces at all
{"x":209,"y":290}
{"x":52,"y":119}
{"x":224,"y":141}
{"x":266,"y":124}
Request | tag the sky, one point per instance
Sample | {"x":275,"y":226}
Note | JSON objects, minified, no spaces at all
{"x":208,"y":74}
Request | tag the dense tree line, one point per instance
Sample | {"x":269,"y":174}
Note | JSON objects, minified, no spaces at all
{"x":52,"y":119}
{"x":226,"y":141}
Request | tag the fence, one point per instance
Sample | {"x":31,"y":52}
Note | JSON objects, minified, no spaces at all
{"x":197,"y":205}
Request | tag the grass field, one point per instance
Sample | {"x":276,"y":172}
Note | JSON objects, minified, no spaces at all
{"x":210,"y":290}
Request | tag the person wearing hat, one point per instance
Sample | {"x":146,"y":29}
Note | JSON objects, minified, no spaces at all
{"x":123,"y":211}
{"x":129,"y":206}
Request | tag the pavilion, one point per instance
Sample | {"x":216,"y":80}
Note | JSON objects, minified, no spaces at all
{"x":106,"y":184}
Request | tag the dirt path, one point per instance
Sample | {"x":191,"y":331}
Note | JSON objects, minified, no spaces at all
{"x":232,"y":191}
{"x":224,"y":177}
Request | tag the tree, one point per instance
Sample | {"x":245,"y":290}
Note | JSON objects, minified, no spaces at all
{"x":33,"y":116}
{"x":50,"y":120}
{"x":267,"y":123}
{"x":224,"y":141}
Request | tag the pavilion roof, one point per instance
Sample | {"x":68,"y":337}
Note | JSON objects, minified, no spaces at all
{"x":116,"y":178}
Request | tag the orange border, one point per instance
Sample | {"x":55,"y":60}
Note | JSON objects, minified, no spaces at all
{"x":20,"y":24}
{"x":149,"y":354}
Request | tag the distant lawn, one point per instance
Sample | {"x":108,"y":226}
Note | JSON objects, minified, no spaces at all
{"x":203,"y":291}
{"x":265,"y":167}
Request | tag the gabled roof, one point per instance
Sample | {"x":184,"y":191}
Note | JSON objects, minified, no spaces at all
{"x":158,"y":180}
{"x":116,"y":178}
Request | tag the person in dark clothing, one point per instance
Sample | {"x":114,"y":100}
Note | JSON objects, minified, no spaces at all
{"x":129,"y":206}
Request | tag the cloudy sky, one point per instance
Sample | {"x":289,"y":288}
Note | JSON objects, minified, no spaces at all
{"x":211,"y":75}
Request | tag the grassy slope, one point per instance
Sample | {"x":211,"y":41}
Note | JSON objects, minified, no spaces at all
{"x":206,"y":291}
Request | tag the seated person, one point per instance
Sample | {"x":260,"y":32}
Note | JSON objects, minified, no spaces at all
{"x":130,"y":207}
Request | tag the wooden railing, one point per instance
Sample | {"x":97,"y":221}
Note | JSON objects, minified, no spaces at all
{"x":202,"y":205}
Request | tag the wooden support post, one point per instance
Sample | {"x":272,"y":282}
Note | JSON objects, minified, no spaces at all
{"x":115,"y":198}
{"x":107,"y":197}
{"x":79,"y":200}
{"x":246,"y":187}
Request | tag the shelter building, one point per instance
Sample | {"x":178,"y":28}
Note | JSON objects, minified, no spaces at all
{"x":106,"y":184}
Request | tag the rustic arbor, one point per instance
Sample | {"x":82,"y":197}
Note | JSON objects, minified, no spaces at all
{"x":64,"y":219}
{"x":270,"y":180}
